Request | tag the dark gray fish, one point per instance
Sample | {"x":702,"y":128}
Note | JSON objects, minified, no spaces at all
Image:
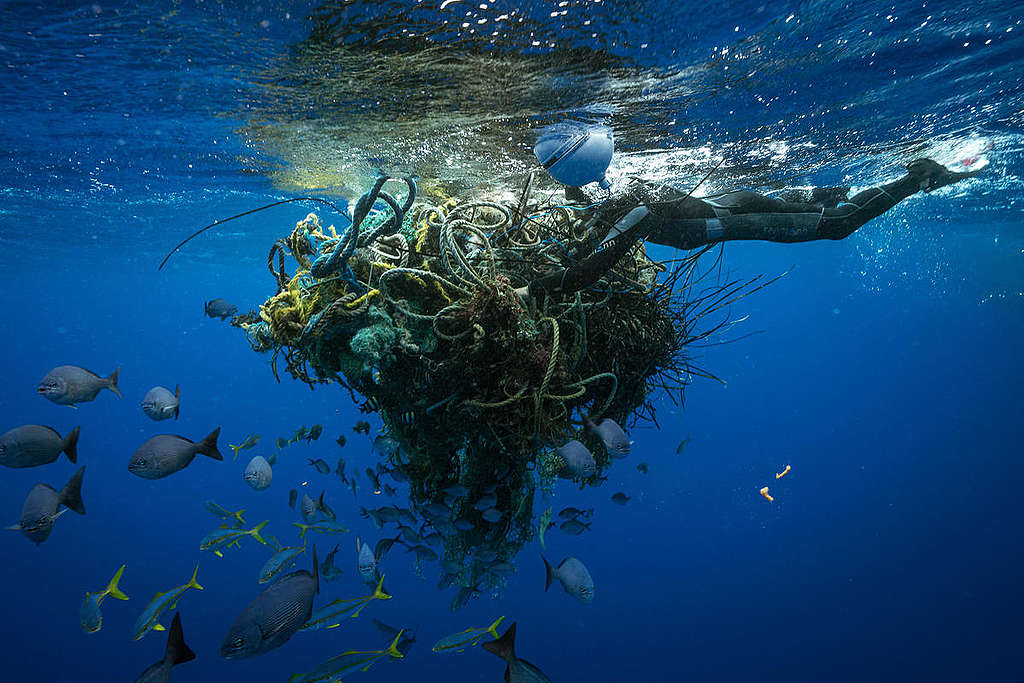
{"x":620,"y":498}
{"x":308,"y":508}
{"x":573,"y":527}
{"x":166,"y":454}
{"x":341,"y":441}
{"x":516,"y":670}
{"x":69,"y":384}
{"x":42,"y":507}
{"x":574,"y":577}
{"x":398,"y":475}
{"x":407,"y":516}
{"x":293,"y":497}
{"x":579,"y":462}
{"x":32,"y":445}
{"x":572,"y":513}
{"x":463,"y":596}
{"x":485,"y":502}
{"x":389,"y":490}
{"x":258,"y":473}
{"x":410,"y":534}
{"x":274,"y":615}
{"x":373,"y":516}
{"x":389,"y":513}
{"x":682,"y":446}
{"x":325,"y":508}
{"x":314,"y":433}
{"x":463,"y":524}
{"x":492,"y":515}
{"x":487,"y":555}
{"x":321,"y":465}
{"x":445,"y":527}
{"x":612,"y":436}
{"x":176,"y":652}
{"x":219,"y":308}
{"x":456,"y":491}
{"x":328,"y":572}
{"x":340,"y":469}
{"x":361,"y":427}
{"x":423,"y":553}
{"x":161,"y":404}
{"x":642,"y":467}
{"x":374,"y":480}
{"x":383,"y":546}
{"x":433,"y":538}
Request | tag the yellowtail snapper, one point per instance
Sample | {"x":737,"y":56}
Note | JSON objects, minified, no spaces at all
{"x":347,"y":662}
{"x":320,"y":528}
{"x":250,"y":441}
{"x":329,"y":615}
{"x":221,"y":538}
{"x":89,"y":615}
{"x":233,"y":518}
{"x":148,"y":620}
{"x":279,"y":561}
{"x":457,"y":642}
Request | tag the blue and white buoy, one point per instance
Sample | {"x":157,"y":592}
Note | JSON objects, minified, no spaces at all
{"x":576,"y":155}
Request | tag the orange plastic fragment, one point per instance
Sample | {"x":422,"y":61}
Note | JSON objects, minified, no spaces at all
{"x":783,"y":473}
{"x":764,"y":492}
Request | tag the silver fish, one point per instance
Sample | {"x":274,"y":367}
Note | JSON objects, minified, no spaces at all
{"x":69,"y":384}
{"x":579,"y":463}
{"x":258,"y":473}
{"x":611,"y":434}
{"x":166,"y":454}
{"x":308,"y":508}
{"x":574,"y":527}
{"x":574,"y":577}
{"x":176,"y":652}
{"x":32,"y":445}
{"x":280,"y":561}
{"x":367,"y":563}
{"x":274,"y":616}
{"x":219,"y":308}
{"x":161,"y":404}
{"x":42,"y":507}
{"x":516,"y":670}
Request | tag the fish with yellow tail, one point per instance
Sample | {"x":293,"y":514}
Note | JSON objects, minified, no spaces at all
{"x":348,"y":662}
{"x":148,"y":620}
{"x":90,"y":618}
{"x":457,"y":642}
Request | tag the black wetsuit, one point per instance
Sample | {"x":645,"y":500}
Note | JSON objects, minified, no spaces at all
{"x":676,"y":220}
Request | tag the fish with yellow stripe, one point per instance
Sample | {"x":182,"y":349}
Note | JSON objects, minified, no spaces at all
{"x":89,"y":615}
{"x":148,"y":620}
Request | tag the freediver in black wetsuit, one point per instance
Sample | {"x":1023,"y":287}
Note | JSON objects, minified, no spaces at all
{"x":668,"y":217}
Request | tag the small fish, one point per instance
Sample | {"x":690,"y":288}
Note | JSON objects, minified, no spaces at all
{"x":329,"y":615}
{"x":516,"y":670}
{"x":573,"y":527}
{"x":572,"y":513}
{"x":33,"y":445}
{"x":219,"y":308}
{"x":308,"y":508}
{"x":361,"y":427}
{"x":612,"y":436}
{"x":437,"y":510}
{"x":383,"y":546}
{"x":325,"y":508}
{"x":574,"y":577}
{"x":579,"y":462}
{"x":389,"y":513}
{"x":300,"y":434}
{"x":682,"y":445}
{"x":340,"y":469}
{"x":321,"y":465}
{"x":373,"y":516}
{"x":374,"y":480}
{"x":341,"y":441}
{"x":89,"y":616}
{"x":274,"y":615}
{"x":456,"y":491}
{"x":258,"y":474}
{"x":423,"y":553}
{"x":390,"y":633}
{"x":279,"y":561}
{"x":281,"y":443}
{"x":410,"y":534}
{"x":320,"y":528}
{"x":347,"y":662}
{"x":352,"y":484}
{"x":221,"y":538}
{"x":367,"y":563}
{"x":463,"y":524}
{"x":620,"y":498}
{"x":250,"y":442}
{"x":492,"y":515}
{"x":328,"y":572}
{"x":545,"y":523}
{"x":314,"y":433}
{"x":69,"y":384}
{"x":385,"y":445}
{"x":457,"y":642}
{"x":42,"y":507}
{"x":463,"y":596}
{"x":166,"y":454}
{"x":293,"y":496}
{"x":642,"y":467}
{"x":502,"y":569}
{"x":228,"y":516}
{"x":485,"y":502}
{"x":161,"y":404}
{"x":444,"y":527}
{"x":487,"y":555}
{"x":389,"y":490}
{"x":175,"y":652}
{"x":147,"y":621}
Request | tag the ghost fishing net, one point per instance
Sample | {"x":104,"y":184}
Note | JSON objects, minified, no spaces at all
{"x":413,"y":307}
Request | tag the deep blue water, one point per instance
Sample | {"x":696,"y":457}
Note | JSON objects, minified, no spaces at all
{"x":886,"y":372}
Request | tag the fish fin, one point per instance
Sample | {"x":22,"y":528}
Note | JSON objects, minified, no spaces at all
{"x":112,"y":589}
{"x":255,"y":531}
{"x":379,"y":593}
{"x":393,"y":647}
{"x":71,"y":495}
{"x":208,"y":446}
{"x":112,"y":382}
{"x":14,"y":527}
{"x":177,"y":397}
{"x":70,"y":445}
{"x":177,"y":651}
{"x":192,"y":583}
{"x":504,"y":647}
{"x":549,"y":573}
{"x":218,"y":553}
{"x":493,"y":628}
{"x":316,"y":570}
{"x":158,"y":627}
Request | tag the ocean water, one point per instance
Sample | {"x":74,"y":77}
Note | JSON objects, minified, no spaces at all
{"x":884,"y":368}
